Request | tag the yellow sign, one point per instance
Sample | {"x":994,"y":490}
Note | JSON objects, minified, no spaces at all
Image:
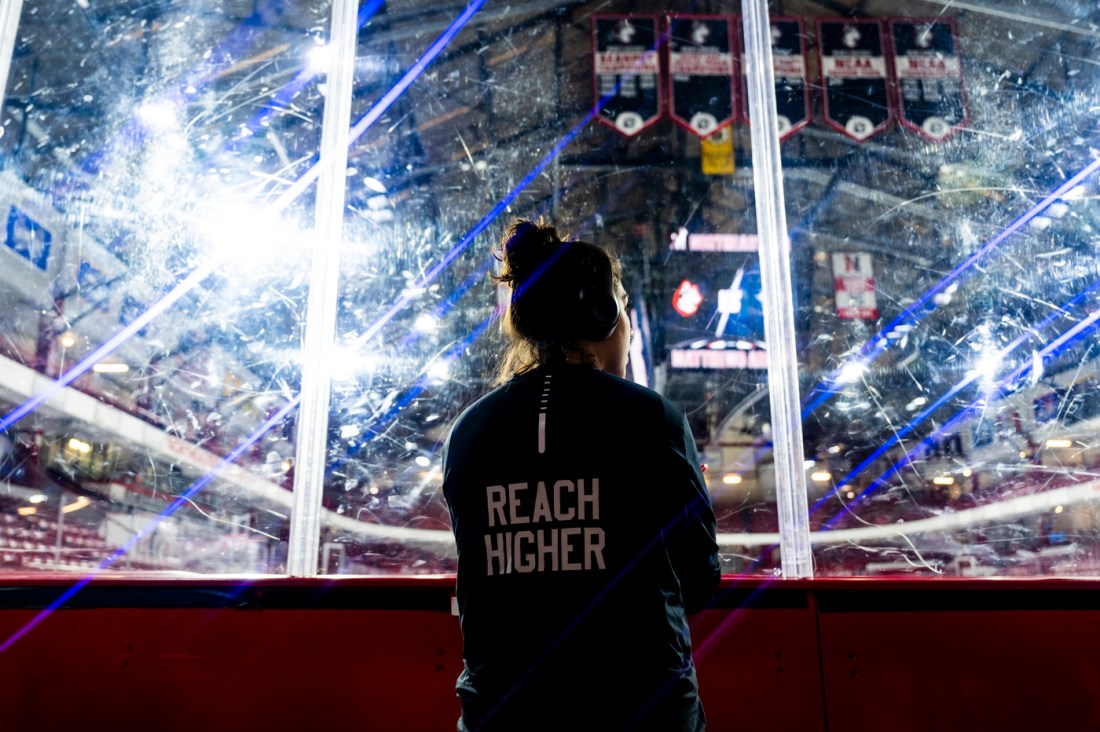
{"x":718,"y":153}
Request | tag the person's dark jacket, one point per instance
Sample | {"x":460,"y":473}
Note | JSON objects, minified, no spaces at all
{"x":585,"y":536}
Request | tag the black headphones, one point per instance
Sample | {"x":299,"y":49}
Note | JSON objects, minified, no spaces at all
{"x":571,"y":296}
{"x":597,"y":307}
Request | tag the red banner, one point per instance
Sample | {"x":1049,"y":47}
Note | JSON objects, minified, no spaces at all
{"x":928,"y":81}
{"x":854,"y":76}
{"x":626,"y":71}
{"x":701,"y":69}
{"x":854,"y":279}
{"x":792,"y":88}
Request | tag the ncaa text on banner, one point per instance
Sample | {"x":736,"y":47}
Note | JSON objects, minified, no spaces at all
{"x":626,"y":69}
{"x":928,"y":81}
{"x":701,"y":71}
{"x":853,"y":74}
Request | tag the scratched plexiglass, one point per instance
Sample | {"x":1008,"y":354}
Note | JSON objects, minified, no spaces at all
{"x":158,"y":188}
{"x":950,"y":395}
{"x":153,"y":282}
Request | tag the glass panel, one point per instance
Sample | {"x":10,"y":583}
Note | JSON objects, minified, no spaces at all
{"x":498,"y":127}
{"x":950,"y":283}
{"x":149,"y":156}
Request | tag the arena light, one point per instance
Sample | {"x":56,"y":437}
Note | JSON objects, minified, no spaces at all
{"x":79,"y":446}
{"x":439,"y":370}
{"x":110,"y":368}
{"x":731,"y":479}
{"x":1059,"y":443}
{"x":158,"y":115}
{"x":79,"y":503}
{"x":374,"y":184}
{"x":426,"y":323}
{"x":206,"y":269}
{"x":319,"y":58}
{"x":944,"y":480}
{"x":851,"y":372}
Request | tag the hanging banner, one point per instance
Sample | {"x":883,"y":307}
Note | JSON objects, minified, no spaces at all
{"x":701,"y":72}
{"x":792,"y":92}
{"x":853,"y":74}
{"x":854,"y":278}
{"x":928,"y":76}
{"x":626,"y":67}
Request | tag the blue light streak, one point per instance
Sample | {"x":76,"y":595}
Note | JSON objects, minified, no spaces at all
{"x":969,"y":379}
{"x":283,"y":97}
{"x":181,"y":289}
{"x":411,"y":293}
{"x":1007,"y":384}
{"x":181,"y":500}
{"x":159,"y":307}
{"x":874,"y":347}
{"x":385,"y":102}
{"x":200,"y":274}
{"x":450,"y":356}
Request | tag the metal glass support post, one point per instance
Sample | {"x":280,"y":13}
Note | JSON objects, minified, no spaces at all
{"x":10,"y":10}
{"x":775,"y":271}
{"x":318,"y":344}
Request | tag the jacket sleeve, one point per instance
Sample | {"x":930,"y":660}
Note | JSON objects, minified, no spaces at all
{"x":692,"y":534}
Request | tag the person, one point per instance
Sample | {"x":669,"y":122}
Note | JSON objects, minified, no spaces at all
{"x":584,"y":529}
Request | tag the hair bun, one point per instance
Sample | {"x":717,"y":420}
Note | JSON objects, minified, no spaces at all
{"x":527,"y":246}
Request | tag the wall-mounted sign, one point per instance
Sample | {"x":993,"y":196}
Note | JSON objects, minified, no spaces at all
{"x":130,"y":310}
{"x":928,"y":76}
{"x":687,"y":299}
{"x":683,"y":241}
{"x":854,"y":76}
{"x":28,"y":238}
{"x":626,"y":67}
{"x":93,"y":286}
{"x":792,"y":91}
{"x":701,"y":57}
{"x":716,"y":153}
{"x":725,"y":358}
{"x":854,"y":278}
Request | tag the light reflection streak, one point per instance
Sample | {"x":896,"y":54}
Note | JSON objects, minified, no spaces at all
{"x":282,"y":98}
{"x":171,"y":298}
{"x":426,"y":279}
{"x":1005,"y":385}
{"x":970,"y":378}
{"x":197,"y":276}
{"x":204,"y":271}
{"x":452,"y":354}
{"x":181,"y":500}
{"x":380,"y":107}
{"x":876,"y":345}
